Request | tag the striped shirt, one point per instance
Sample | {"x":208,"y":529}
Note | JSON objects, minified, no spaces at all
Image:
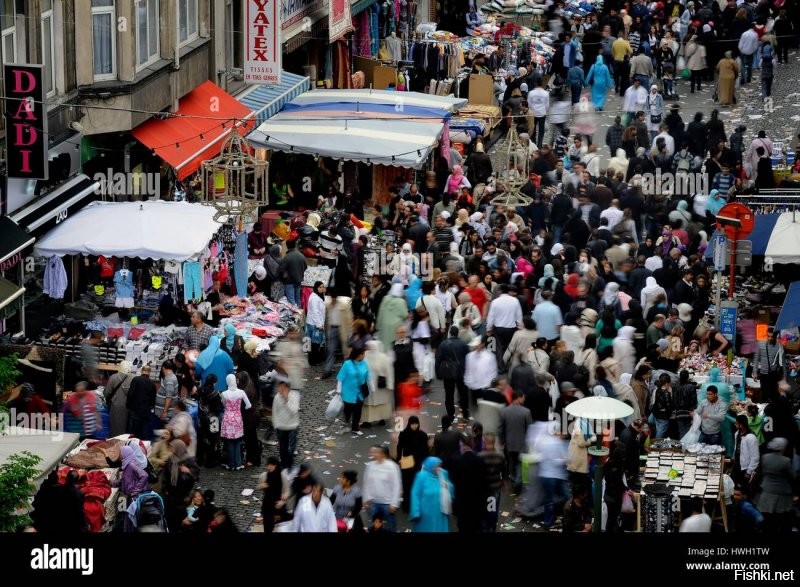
{"x":198,"y":339}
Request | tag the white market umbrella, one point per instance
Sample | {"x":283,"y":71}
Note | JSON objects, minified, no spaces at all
{"x":599,"y":408}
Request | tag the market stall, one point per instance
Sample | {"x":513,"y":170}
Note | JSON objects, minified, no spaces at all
{"x":50,"y":446}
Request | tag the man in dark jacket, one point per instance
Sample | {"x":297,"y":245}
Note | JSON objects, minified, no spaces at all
{"x":451,"y":360}
{"x":447,"y":443}
{"x":560,"y":211}
{"x":292,"y":269}
{"x":684,"y":291}
{"x":696,"y":135}
{"x":514,"y":422}
{"x":638,"y":278}
{"x":140,"y":403}
{"x":675,"y":124}
{"x":470,"y":488}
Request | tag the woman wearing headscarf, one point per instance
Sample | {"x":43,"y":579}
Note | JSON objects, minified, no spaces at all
{"x":607,"y":328}
{"x":600,"y":79}
{"x":351,"y":378}
{"x":455,"y":181}
{"x":177,"y":480}
{"x":587,"y":359}
{"x":116,"y":395}
{"x":412,"y":450}
{"x":315,"y":323}
{"x":272,"y":263}
{"x":549,"y":274}
{"x":404,"y":264}
{"x":134,"y":478}
{"x":391,"y":314}
{"x":431,"y":498}
{"x":611,"y":299}
{"x":248,"y":360}
{"x":624,"y":351}
{"x":378,"y":404}
{"x":232,"y":343}
{"x":273,"y":498}
{"x":650,"y":294}
{"x":413,"y":292}
{"x":624,"y":393}
{"x":232,"y":427}
{"x":728,"y":71}
{"x":654,"y":108}
{"x":775,"y":501}
{"x":214,"y":360}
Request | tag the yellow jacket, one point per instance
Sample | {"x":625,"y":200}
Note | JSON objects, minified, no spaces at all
{"x":620,"y":48}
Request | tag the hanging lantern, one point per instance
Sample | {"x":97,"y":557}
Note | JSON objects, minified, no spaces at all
{"x":513,"y":160}
{"x":235,"y":182}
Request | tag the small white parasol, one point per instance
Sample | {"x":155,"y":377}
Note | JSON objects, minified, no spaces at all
{"x":599,"y":408}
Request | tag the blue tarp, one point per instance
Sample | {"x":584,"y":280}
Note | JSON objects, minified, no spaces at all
{"x":790,"y":312}
{"x":762,"y":231}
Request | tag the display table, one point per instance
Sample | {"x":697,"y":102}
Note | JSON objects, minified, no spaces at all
{"x":688,"y":476}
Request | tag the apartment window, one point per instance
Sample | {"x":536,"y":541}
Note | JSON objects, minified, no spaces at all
{"x":9,"y":31}
{"x":234,"y":52}
{"x":187,"y":21}
{"x":147,"y":19}
{"x":48,"y":47}
{"x":104,"y":40}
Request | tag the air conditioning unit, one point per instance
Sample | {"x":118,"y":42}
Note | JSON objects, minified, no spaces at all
{"x":310,"y":71}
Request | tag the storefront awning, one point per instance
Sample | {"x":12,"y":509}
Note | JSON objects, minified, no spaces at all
{"x":266,"y":101}
{"x":310,"y":27}
{"x":13,"y":240}
{"x":171,"y":231}
{"x":385,"y":128}
{"x":10,"y":298}
{"x":196,"y":131}
{"x":790,"y":311}
{"x":51,"y":209}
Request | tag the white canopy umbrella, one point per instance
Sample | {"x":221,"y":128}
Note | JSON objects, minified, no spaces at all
{"x":599,"y":408}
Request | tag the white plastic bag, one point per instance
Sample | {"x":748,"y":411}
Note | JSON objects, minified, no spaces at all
{"x":429,"y":367}
{"x":693,"y":436}
{"x":335,"y":407}
{"x":554,"y":392}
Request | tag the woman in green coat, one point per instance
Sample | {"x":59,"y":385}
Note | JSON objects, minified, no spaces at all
{"x":392,"y":313}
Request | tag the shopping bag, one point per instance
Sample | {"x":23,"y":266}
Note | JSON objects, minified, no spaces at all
{"x":693,"y":436}
{"x":627,"y":503}
{"x":429,"y":367}
{"x":554,"y":392}
{"x":335,"y":407}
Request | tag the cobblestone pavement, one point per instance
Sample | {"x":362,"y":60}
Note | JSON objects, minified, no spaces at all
{"x":329,"y":452}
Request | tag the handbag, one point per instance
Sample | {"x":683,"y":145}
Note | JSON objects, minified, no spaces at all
{"x":364,"y":390}
{"x":445,"y":499}
{"x":381,"y":382}
{"x":655,"y":118}
{"x":407,"y":462}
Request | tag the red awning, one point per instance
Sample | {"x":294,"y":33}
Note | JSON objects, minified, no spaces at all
{"x":203,"y":111}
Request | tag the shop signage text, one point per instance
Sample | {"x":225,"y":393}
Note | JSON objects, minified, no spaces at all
{"x":262,"y":52}
{"x":26,"y":122}
{"x":10,"y":262}
{"x":294,"y":10}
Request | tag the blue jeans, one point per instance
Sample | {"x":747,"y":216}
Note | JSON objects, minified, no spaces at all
{"x":334,"y":345}
{"x":554,"y":489}
{"x":662,"y":428}
{"x":558,"y":230}
{"x":711,"y":438}
{"x":746,"y":75}
{"x":643,"y":80}
{"x":293,"y":293}
{"x":492,"y":512}
{"x":388,"y":517}
{"x":233,"y":448}
{"x":576,"y":93}
{"x":287,"y":444}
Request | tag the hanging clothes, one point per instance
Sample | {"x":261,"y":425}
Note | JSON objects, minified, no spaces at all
{"x":55,"y":278}
{"x":123,"y":289}
{"x":240,"y":264}
{"x":193,"y":281}
{"x":374,"y":28}
{"x":395,"y":47}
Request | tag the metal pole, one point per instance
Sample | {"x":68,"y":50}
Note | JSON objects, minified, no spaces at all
{"x":718,"y":299}
{"x":733,"y":270}
{"x":597,"y":520}
{"x":22,"y":284}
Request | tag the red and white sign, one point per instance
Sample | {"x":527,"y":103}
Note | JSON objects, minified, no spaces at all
{"x":340,"y":21}
{"x":262,"y":43}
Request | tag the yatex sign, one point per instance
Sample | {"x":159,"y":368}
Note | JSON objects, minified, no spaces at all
{"x":26,"y":122}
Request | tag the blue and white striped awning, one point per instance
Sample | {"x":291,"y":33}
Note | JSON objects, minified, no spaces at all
{"x":267,"y":100}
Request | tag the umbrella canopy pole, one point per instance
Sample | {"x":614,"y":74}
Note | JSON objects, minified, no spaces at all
{"x":598,"y":451}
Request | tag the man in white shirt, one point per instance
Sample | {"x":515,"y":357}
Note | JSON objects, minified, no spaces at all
{"x":668,"y":140}
{"x":433,"y":306}
{"x":481,"y":368}
{"x":613,"y":214}
{"x":539,"y":103}
{"x":748,"y":46}
{"x":634,"y":99}
{"x":504,"y":319}
{"x":314,"y":513}
{"x":746,"y":452}
{"x":383,"y":486}
{"x":699,"y":521}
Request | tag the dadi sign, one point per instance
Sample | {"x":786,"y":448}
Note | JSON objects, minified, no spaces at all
{"x":262,"y":46}
{"x":26,"y":122}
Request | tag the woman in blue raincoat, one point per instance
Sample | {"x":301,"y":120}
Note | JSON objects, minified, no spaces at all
{"x":431,"y":498}
{"x":214,"y":360}
{"x":600,"y":79}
